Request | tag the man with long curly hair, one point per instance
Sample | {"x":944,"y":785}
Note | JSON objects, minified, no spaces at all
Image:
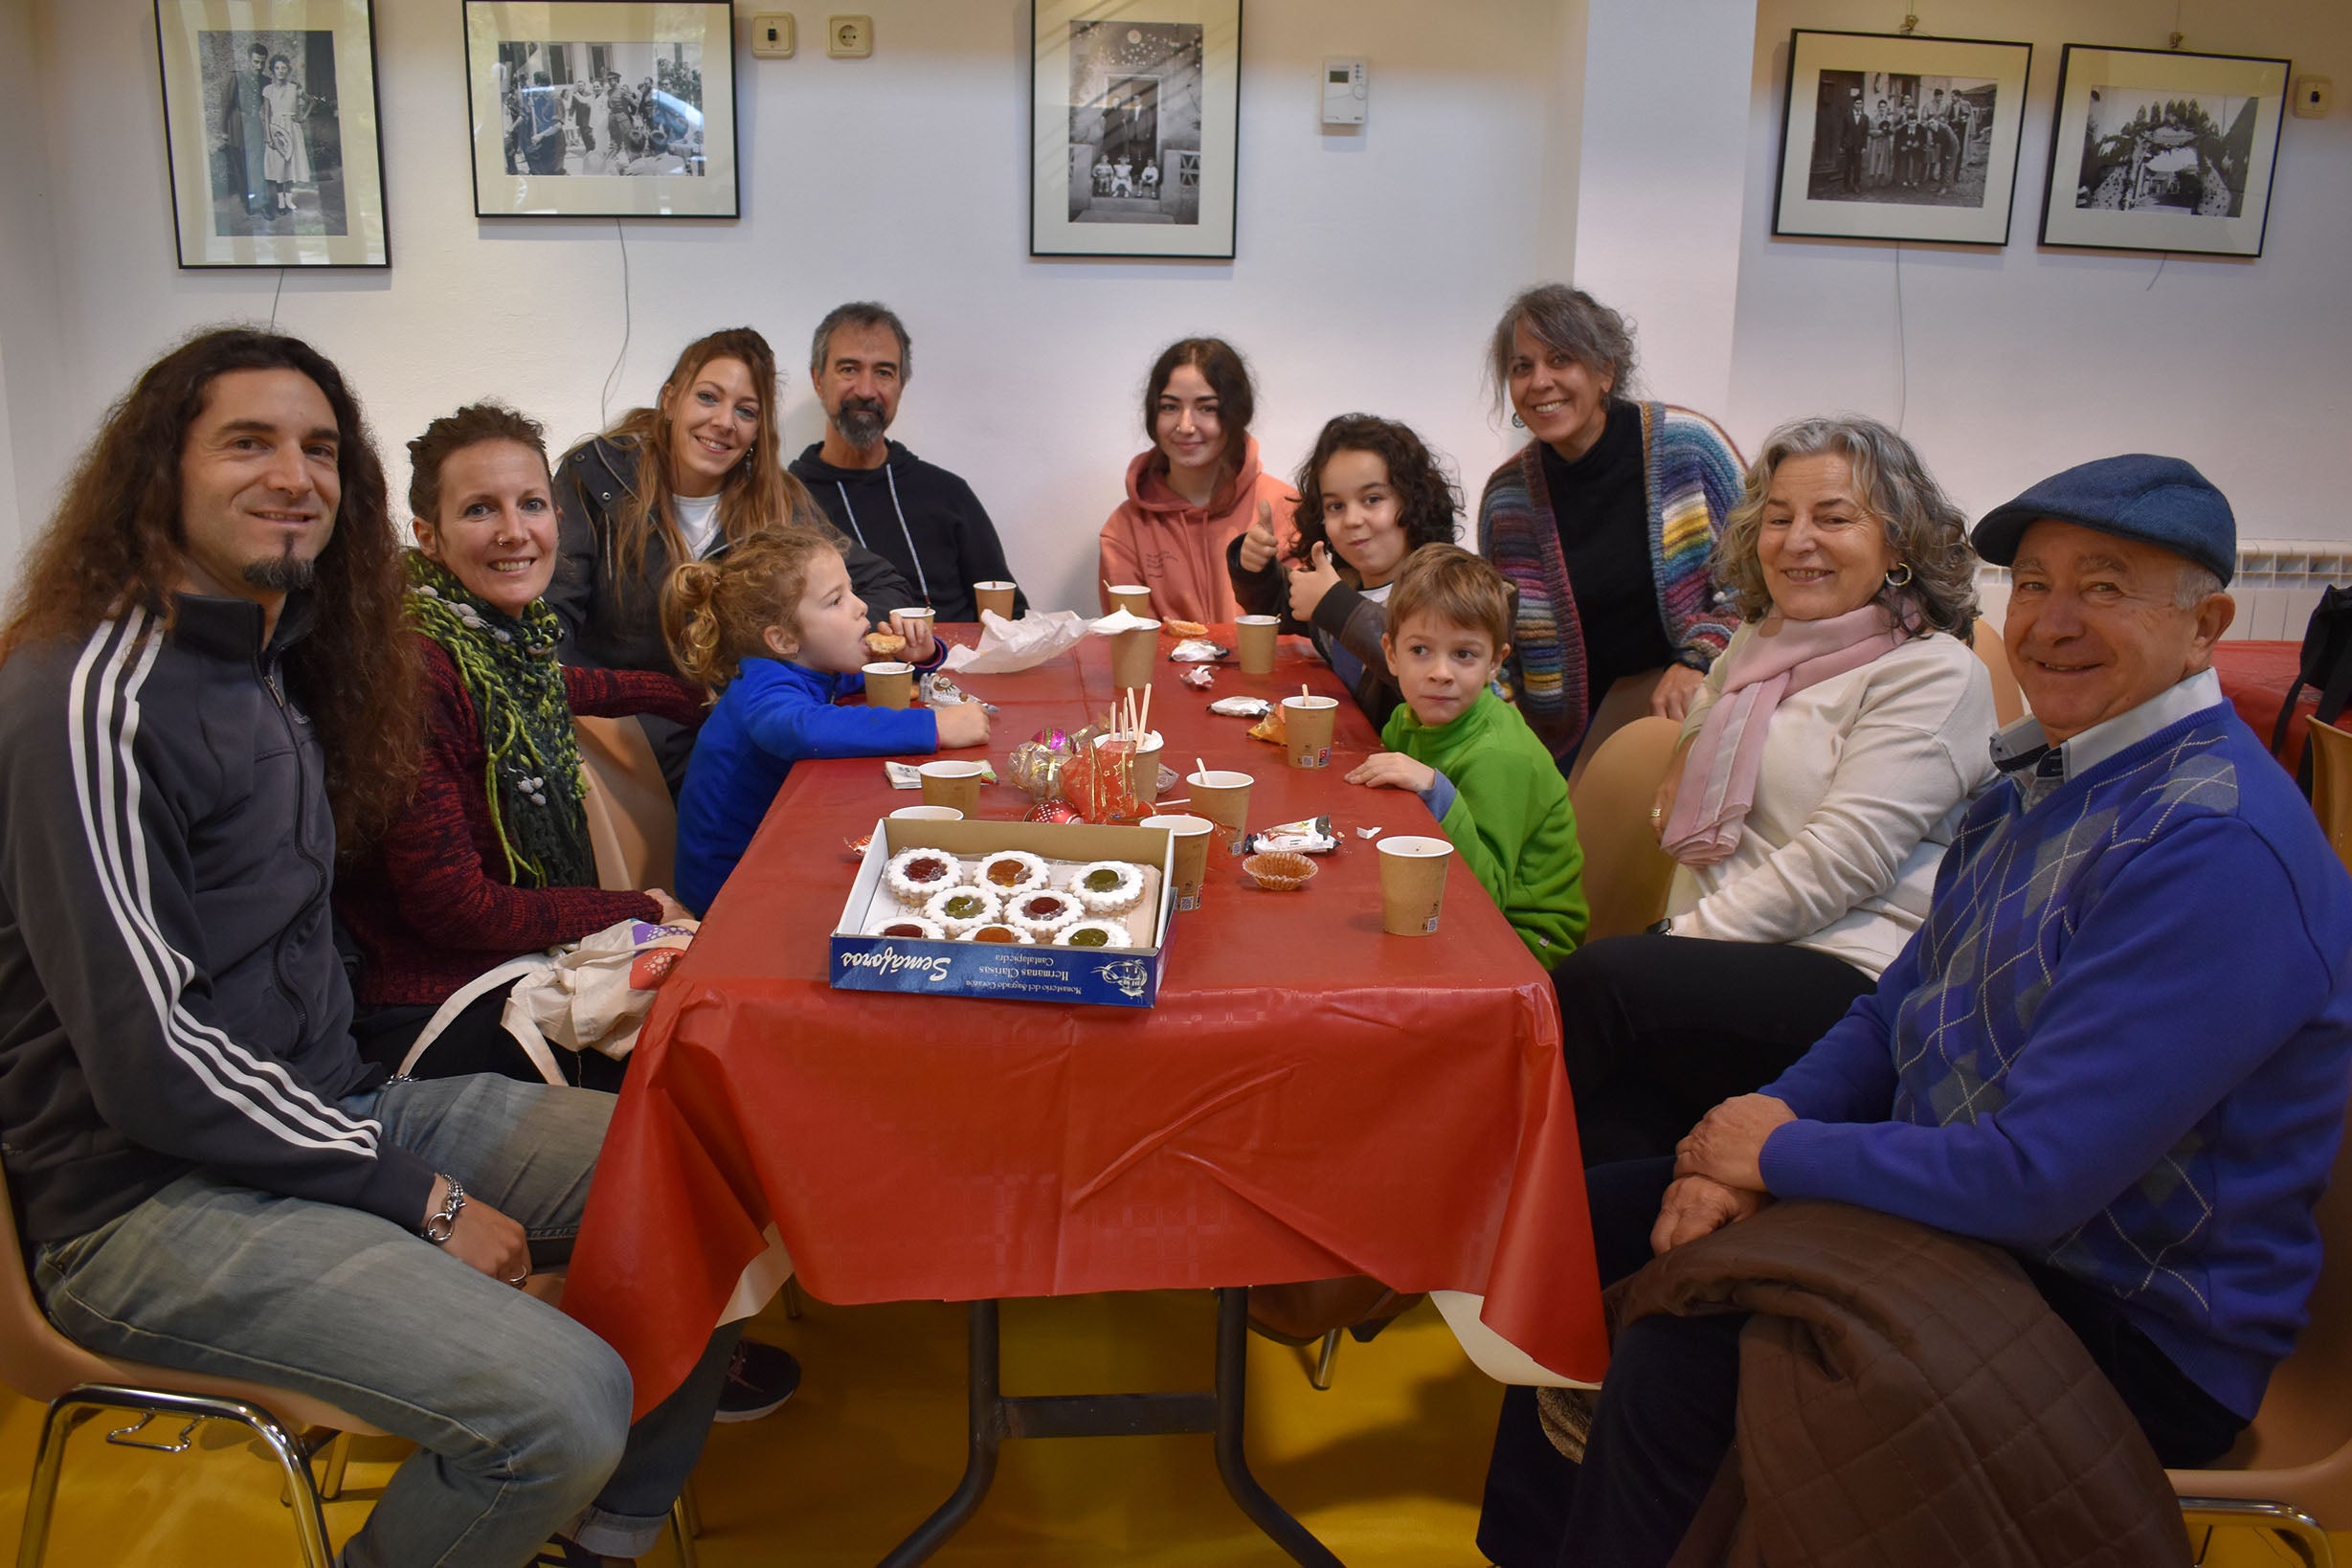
{"x":204,"y":676}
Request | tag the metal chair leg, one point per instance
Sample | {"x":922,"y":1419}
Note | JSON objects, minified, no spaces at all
{"x":791,"y":1297}
{"x":338,"y":1458}
{"x":690,"y":1509}
{"x":76,"y":1405}
{"x":682,"y":1533}
{"x":1320,"y":1380}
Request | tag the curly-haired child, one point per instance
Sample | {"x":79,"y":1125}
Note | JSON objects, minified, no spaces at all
{"x":773,"y":632}
{"x":1370,"y":495}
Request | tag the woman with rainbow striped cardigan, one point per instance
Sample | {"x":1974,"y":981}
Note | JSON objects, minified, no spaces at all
{"x":1606,"y":524}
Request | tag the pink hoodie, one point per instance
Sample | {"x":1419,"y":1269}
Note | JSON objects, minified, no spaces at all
{"x":1177,"y":550}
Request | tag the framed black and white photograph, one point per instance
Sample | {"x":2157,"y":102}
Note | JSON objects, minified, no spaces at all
{"x":2159,"y":151}
{"x":602,"y":108}
{"x":1896,"y":135}
{"x":270,"y":125}
{"x":1135,"y":109}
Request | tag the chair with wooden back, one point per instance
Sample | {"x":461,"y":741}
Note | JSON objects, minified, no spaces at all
{"x":1627,"y":875}
{"x":2008,"y":697}
{"x":2331,"y":785}
{"x":2291,"y":1474}
{"x":630,"y":819}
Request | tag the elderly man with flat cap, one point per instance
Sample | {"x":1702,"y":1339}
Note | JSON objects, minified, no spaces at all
{"x":2117,"y":1049}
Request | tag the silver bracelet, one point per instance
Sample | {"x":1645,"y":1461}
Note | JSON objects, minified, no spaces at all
{"x":440,"y":1226}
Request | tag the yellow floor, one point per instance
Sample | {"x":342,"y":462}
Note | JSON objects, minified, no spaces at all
{"x":1385,"y":1467}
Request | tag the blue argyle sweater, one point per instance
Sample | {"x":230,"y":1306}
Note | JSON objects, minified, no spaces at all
{"x":2118,"y":1045}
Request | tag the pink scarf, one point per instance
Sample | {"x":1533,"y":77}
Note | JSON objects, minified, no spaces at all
{"x":1718,"y":775}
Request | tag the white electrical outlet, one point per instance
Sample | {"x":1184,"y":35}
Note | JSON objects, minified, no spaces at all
{"x":2314,"y":96}
{"x":771,"y":34}
{"x":849,"y":37}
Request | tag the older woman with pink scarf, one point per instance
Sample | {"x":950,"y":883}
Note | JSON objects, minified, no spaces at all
{"x":1824,"y":763}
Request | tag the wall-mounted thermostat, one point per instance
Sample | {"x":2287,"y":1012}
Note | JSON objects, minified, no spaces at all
{"x":1345,"y":91}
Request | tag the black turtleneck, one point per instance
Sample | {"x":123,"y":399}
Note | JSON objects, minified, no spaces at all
{"x":1600,"y":502}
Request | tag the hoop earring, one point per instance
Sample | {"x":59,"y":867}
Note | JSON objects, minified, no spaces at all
{"x":1900,"y":576}
{"x":1517,"y":423}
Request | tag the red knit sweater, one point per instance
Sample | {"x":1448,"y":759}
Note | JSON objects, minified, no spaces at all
{"x":430,"y":904}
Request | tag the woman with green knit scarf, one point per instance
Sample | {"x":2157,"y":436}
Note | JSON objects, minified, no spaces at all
{"x":490,"y":859}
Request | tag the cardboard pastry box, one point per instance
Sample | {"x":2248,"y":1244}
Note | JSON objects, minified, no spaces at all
{"x":1109,"y":976}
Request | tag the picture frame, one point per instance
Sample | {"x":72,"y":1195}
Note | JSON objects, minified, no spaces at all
{"x":272,"y":134}
{"x":2156,"y":149}
{"x":1934,"y":156}
{"x":602,"y":108}
{"x":1134,"y":126}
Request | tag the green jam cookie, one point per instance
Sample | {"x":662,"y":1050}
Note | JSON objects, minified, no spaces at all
{"x":1102,"y":881}
{"x":1090,"y":939}
{"x":963,"y":907}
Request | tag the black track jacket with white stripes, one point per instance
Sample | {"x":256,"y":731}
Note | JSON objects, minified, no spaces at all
{"x":169,"y":993}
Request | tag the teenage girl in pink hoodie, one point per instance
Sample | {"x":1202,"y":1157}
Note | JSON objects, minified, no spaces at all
{"x":1196,"y":489}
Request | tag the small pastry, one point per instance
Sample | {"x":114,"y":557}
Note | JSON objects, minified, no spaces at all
{"x":1011,"y":871}
{"x":958,"y":910}
{"x":1184,"y":628}
{"x":909,"y":924}
{"x":885,"y":644}
{"x":1094,"y":933}
{"x":1107,"y":887}
{"x":996,"y":931}
{"x":914,"y":875}
{"x":1043,"y":913}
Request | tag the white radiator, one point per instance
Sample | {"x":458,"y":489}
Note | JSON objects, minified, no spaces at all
{"x":2277,"y":586}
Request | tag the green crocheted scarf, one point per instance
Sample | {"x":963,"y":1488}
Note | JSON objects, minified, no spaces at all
{"x":532,"y":776}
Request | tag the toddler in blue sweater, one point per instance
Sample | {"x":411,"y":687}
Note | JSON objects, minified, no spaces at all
{"x":772,"y":629}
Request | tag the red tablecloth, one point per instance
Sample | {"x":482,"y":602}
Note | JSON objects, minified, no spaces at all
{"x":2255,"y":676}
{"x":1309,"y":1098}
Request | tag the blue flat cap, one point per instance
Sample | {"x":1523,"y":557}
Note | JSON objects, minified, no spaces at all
{"x":2161,"y":500}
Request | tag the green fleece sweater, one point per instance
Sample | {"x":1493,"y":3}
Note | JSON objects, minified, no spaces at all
{"x":1501,"y":800}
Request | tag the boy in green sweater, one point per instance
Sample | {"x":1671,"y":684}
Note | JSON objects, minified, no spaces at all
{"x":1482,"y":772}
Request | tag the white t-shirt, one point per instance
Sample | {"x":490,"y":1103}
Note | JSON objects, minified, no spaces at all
{"x":698,"y":519}
{"x":1379,"y":594}
{"x":1864,"y":778}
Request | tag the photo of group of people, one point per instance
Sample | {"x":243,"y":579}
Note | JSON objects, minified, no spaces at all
{"x":1135,"y":136}
{"x":276,"y":147}
{"x":601,"y":108}
{"x":1911,"y":139}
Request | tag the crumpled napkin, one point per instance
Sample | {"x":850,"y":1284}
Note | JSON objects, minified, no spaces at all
{"x":1009,"y":645}
{"x":1121,"y":619}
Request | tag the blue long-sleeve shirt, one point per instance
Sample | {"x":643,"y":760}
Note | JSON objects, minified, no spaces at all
{"x":771,"y":716}
{"x":2118,"y":1045}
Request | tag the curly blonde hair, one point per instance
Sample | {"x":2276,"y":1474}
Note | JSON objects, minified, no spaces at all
{"x":715,"y":612}
{"x":1925,"y":530}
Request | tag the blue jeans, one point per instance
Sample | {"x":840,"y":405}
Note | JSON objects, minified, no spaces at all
{"x":519,"y":1413}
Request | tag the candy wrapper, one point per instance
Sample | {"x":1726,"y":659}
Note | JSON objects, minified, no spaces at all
{"x":1100,"y":780}
{"x":1241,"y":707}
{"x":1197,"y":650}
{"x":939,"y":691}
{"x":1200,"y":678}
{"x":1311,"y":837}
{"x":1272,"y":729}
{"x":1036,"y":763}
{"x":903,"y":776}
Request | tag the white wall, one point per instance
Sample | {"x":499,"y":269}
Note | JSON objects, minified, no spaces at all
{"x":1369,"y":264}
{"x":2024,"y":361}
{"x":29,"y":358}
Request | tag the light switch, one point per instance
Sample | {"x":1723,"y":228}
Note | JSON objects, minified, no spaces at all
{"x":849,"y":37}
{"x":2314,"y":96}
{"x":771,"y":34}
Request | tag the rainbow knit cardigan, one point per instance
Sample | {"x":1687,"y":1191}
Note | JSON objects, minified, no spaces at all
{"x":1693,"y":477}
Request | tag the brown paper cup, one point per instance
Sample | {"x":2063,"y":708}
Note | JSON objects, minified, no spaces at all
{"x":1143,"y":776}
{"x":1412,"y":885}
{"x":926,"y":813}
{"x":955,"y":784}
{"x":1308,"y":722}
{"x":1133,"y":654}
{"x":890,"y":683}
{"x":1223,"y":796}
{"x":921,"y":615}
{"x":1132,"y":598}
{"x":1192,"y":835}
{"x":1253,"y":639}
{"x":996,"y":597}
